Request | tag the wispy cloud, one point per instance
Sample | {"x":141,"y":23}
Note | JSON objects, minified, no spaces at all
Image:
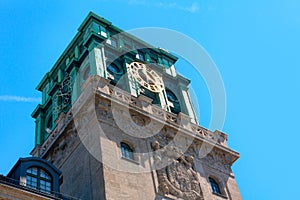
{"x":137,"y":2}
{"x":193,"y":8}
{"x":12,"y":98}
{"x":188,"y":7}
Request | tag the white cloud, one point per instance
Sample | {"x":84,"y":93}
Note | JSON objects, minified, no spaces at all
{"x":137,"y":2}
{"x":19,"y":99}
{"x":194,"y":7}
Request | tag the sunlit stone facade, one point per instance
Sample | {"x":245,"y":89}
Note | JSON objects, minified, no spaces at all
{"x":118,"y":121}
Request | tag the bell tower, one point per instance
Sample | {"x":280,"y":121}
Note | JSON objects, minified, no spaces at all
{"x":118,"y":121}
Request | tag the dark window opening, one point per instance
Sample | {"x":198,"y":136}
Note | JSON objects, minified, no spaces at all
{"x":152,"y":95}
{"x":81,"y":48}
{"x":49,"y":123}
{"x":214,"y":186}
{"x":141,"y":55}
{"x":114,"y":73}
{"x":127,"y":151}
{"x":173,"y":101}
{"x":113,"y":69}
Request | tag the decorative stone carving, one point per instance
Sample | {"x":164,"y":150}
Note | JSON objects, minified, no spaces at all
{"x":123,"y":97}
{"x":179,"y":178}
{"x":64,"y":146}
{"x":218,"y":160}
{"x":139,"y":120}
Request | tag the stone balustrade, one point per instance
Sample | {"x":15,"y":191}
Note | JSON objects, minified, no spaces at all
{"x":95,"y":85}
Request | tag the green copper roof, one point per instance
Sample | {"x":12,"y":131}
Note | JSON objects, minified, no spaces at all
{"x":90,"y":17}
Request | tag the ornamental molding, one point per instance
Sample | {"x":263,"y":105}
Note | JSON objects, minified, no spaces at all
{"x":64,"y":146}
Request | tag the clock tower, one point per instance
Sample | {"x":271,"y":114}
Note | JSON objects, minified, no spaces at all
{"x":118,"y":121}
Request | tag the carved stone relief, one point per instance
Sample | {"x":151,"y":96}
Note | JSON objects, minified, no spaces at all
{"x":179,"y":178}
{"x":64,"y":146}
{"x":218,"y":160}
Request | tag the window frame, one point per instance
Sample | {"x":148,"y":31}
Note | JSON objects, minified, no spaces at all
{"x":41,"y":175}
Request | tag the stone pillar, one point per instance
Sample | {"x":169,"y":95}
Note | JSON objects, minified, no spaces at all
{"x":171,"y":70}
{"x":186,"y":103}
{"x":97,"y":59}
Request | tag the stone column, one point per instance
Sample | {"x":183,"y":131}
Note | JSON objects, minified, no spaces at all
{"x":186,"y":103}
{"x":97,"y":59}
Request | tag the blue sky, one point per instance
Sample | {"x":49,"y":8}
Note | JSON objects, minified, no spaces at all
{"x":255,"y":45}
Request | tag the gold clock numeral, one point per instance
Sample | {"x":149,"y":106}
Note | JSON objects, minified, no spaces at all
{"x":146,"y":77}
{"x":154,"y":88}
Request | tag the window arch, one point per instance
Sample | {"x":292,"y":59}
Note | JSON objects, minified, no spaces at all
{"x":127,"y":151}
{"x":214,"y":186}
{"x":39,"y":179}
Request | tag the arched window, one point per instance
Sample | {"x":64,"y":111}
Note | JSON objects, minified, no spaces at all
{"x":214,"y":186}
{"x":173,"y":102}
{"x":37,"y":178}
{"x":127,"y":151}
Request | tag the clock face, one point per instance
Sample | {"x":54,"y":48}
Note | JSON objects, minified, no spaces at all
{"x":146,"y":77}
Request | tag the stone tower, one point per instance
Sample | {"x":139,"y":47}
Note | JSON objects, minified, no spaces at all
{"x":118,"y":121}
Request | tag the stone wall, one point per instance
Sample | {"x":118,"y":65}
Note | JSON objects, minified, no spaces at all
{"x":173,"y":163}
{"x":10,"y":193}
